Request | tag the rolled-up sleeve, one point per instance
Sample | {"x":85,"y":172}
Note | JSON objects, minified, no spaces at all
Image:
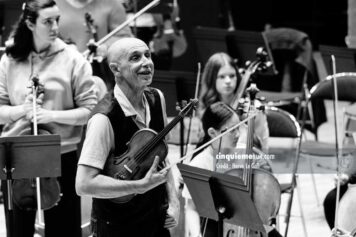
{"x":83,"y":85}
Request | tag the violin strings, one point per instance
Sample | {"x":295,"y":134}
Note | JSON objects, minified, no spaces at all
{"x":143,"y":152}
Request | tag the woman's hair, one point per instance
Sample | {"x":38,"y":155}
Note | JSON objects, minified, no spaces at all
{"x":21,"y":39}
{"x":209,"y":93}
{"x":215,"y":116}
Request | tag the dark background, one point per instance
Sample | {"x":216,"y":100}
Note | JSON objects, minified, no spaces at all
{"x":325,"y":21}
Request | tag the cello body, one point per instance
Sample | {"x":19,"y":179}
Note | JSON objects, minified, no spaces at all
{"x":266,"y":194}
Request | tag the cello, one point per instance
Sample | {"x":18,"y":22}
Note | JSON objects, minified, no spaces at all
{"x":263,"y":187}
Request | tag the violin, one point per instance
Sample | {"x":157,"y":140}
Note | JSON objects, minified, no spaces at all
{"x":143,"y":147}
{"x":25,"y":194}
{"x":99,"y":65}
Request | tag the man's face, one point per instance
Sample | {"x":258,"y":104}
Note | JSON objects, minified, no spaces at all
{"x":136,"y":66}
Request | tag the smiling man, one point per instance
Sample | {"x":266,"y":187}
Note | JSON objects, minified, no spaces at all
{"x":132,"y":106}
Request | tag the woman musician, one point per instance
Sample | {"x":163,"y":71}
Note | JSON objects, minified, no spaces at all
{"x":68,"y":97}
{"x":222,"y":87}
{"x":221,"y":81}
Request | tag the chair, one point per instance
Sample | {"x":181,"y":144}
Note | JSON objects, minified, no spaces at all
{"x":293,"y":57}
{"x":346,"y":85}
{"x":282,"y":124}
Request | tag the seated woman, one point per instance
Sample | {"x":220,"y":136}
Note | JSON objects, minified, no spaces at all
{"x":221,"y":81}
{"x":216,"y":119}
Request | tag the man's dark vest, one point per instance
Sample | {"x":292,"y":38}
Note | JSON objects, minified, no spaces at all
{"x":145,"y":213}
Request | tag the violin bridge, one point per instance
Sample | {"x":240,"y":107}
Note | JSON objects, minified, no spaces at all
{"x":128,"y":169}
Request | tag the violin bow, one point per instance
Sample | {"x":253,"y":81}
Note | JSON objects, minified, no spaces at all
{"x":193,"y":113}
{"x":124,"y":24}
{"x":338,"y":146}
{"x":209,"y":142}
{"x":34,"y":87}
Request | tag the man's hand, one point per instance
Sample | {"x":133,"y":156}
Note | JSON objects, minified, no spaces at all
{"x":153,"y":178}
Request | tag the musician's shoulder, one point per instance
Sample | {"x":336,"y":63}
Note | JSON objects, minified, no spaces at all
{"x":105,"y":105}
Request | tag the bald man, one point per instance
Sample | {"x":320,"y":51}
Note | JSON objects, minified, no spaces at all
{"x":132,"y":106}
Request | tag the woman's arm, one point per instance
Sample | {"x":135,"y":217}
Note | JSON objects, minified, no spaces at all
{"x":78,"y":116}
{"x":192,"y":219}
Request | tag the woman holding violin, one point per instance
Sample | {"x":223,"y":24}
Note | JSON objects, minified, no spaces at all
{"x":221,"y":81}
{"x":63,"y":107}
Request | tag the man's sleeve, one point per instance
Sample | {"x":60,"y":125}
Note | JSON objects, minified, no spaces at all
{"x":98,"y":143}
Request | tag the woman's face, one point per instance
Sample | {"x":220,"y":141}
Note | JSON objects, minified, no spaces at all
{"x":45,"y":31}
{"x":226,"y":80}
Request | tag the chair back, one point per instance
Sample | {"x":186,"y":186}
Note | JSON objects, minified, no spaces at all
{"x":282,"y":124}
{"x":346,"y":85}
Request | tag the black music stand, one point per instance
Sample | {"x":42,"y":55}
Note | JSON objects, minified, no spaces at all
{"x":25,"y":157}
{"x":222,"y":198}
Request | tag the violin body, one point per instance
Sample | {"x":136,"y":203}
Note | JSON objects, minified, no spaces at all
{"x":143,"y":147}
{"x":128,"y":166}
{"x":25,"y":197}
{"x":266,"y":194}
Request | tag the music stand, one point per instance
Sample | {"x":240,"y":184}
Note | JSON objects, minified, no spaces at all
{"x":18,"y":154}
{"x":222,"y":198}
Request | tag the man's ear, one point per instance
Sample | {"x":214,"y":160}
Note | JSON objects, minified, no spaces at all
{"x":30,"y":25}
{"x":114,"y":67}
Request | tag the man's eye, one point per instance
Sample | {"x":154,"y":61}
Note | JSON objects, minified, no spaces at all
{"x":135,"y":57}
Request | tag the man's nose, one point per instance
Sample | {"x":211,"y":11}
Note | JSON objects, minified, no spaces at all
{"x":146,"y":61}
